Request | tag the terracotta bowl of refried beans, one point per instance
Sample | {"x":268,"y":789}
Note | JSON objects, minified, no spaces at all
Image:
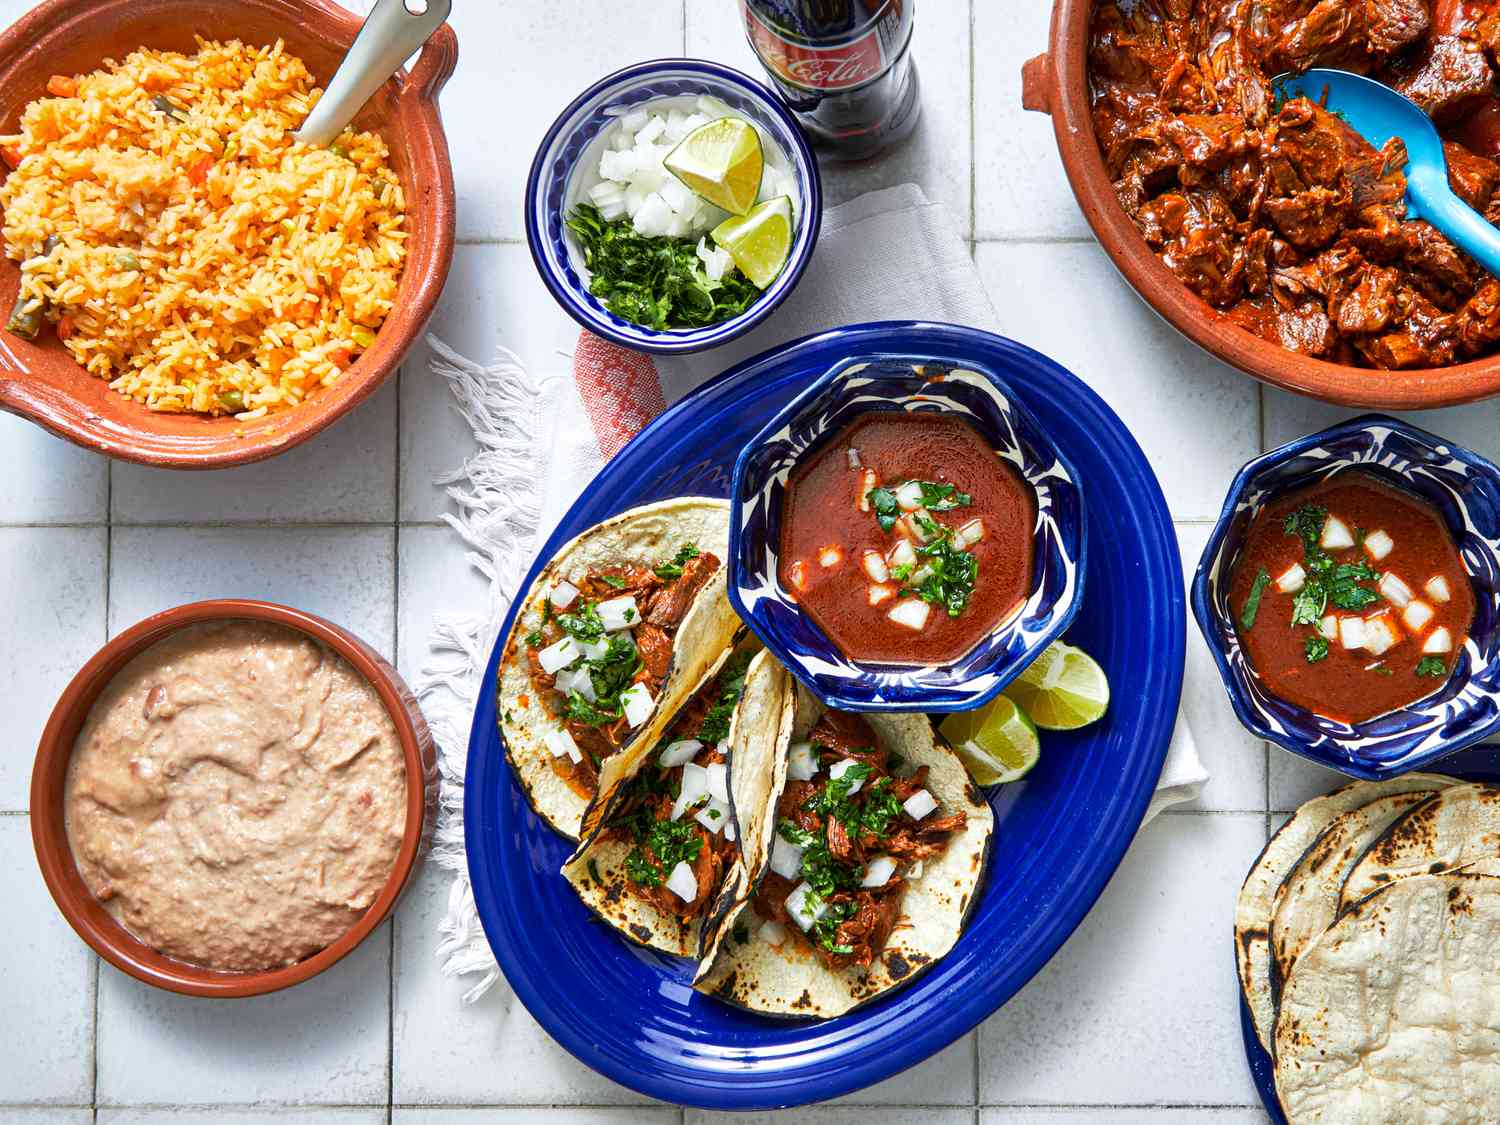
{"x":230,"y":796}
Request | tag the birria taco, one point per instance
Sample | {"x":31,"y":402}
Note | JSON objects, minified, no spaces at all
{"x":879,"y":847}
{"x":614,"y":635}
{"x":676,"y":844}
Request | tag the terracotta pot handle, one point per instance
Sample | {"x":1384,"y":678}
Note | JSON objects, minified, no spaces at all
{"x":434,"y":66}
{"x":1036,"y":83}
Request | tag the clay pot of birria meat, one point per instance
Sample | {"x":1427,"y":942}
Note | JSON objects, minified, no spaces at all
{"x":41,"y":381}
{"x":1057,"y":83}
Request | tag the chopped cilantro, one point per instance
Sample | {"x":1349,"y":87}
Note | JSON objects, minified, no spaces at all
{"x":613,"y":580}
{"x":825,"y":929}
{"x":954,"y":573}
{"x":654,"y":281}
{"x":580,"y":710}
{"x":1317,"y":648}
{"x":1307,"y":524}
{"x":887,"y":511}
{"x":903,"y":572}
{"x":584,"y":624}
{"x":943,"y":497}
{"x":822,"y":872}
{"x":534,"y":638}
{"x":670,"y":571}
{"x":594,"y":872}
{"x":1432,"y":666}
{"x":1252,"y":600}
{"x":881,"y":808}
{"x":715,"y":725}
{"x":1308,"y":604}
{"x":671,"y":842}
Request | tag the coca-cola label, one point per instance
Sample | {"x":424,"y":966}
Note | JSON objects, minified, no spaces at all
{"x":839,"y":66}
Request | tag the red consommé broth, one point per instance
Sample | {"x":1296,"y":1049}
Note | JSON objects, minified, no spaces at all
{"x":1352,"y":684}
{"x":822,"y":510}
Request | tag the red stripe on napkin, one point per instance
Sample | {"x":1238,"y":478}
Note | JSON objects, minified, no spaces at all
{"x":620,"y":390}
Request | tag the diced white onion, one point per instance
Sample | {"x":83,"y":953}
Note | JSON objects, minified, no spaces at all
{"x":1437,"y":588}
{"x":634,"y":121}
{"x":874,"y":564}
{"x":920,"y":804}
{"x":801,"y":762}
{"x":570,"y":680}
{"x":1417,"y":615}
{"x":909,"y":496}
{"x":914,"y":872}
{"x":1439,"y":640}
{"x":718,"y":780}
{"x":679,"y":753}
{"x":714,"y":816}
{"x":1329,"y":627}
{"x":1378,"y":544}
{"x":786,"y":858}
{"x":1292,"y":579}
{"x":880,"y":593}
{"x":912,"y":613}
{"x":853,"y":455}
{"x":843,"y":766}
{"x":878,"y":871}
{"x":921,"y":574}
{"x":619,"y":613}
{"x":654,"y":218}
{"x":637,"y":702}
{"x":969,"y":534}
{"x":560,"y":744}
{"x":798,"y":574}
{"x":682,"y":882}
{"x":868,"y":483}
{"x":802,"y":912}
{"x":1352,"y":632}
{"x":1380,"y":635}
{"x":903,"y":554}
{"x":912,"y":528}
{"x":830,"y":557}
{"x":594,"y":650}
{"x":1336,"y":535}
{"x":729,"y":833}
{"x":557,"y":656}
{"x":773,"y":933}
{"x":651,"y":130}
{"x":563,"y":593}
{"x":716,"y":260}
{"x":1395,"y":591}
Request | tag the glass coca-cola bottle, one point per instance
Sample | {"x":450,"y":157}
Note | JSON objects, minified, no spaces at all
{"x":844,"y":66}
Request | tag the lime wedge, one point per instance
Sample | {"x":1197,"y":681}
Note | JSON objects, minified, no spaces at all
{"x":1064,"y":689}
{"x":761,"y":241}
{"x":997,"y":743}
{"x":722,"y":162}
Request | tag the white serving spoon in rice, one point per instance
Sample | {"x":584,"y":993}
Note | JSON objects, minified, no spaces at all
{"x":392,"y":31}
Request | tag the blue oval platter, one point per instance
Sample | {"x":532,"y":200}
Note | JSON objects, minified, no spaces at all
{"x":630,"y":1013}
{"x":1477,"y":764}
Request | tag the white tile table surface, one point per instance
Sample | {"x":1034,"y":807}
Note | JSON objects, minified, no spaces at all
{"x":1133,"y":1023}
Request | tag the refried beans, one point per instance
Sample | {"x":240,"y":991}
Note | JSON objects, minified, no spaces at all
{"x":237,"y":796}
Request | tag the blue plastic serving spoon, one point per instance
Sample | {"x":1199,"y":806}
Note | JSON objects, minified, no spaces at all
{"x":1378,"y":113}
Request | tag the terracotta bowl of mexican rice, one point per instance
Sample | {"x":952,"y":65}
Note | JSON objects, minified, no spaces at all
{"x":183,"y":283}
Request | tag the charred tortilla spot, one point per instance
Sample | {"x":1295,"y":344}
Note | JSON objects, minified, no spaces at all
{"x":898,"y":965}
{"x":1436,"y":867}
{"x":727,"y":987}
{"x":804,"y":1001}
{"x":640,"y":931}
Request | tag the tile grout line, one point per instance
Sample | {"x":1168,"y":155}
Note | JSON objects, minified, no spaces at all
{"x":94,"y":963}
{"x":973,"y":149}
{"x":390,"y":996}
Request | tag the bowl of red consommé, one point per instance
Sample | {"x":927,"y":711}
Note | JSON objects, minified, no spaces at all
{"x":904,"y":535}
{"x":1350,"y":594}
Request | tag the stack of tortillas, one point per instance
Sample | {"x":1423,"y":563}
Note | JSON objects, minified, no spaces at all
{"x":1368,"y":941}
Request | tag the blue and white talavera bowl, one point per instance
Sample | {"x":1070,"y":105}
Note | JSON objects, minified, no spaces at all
{"x":565,"y":166}
{"x":1465,"y":489}
{"x":904,"y":383}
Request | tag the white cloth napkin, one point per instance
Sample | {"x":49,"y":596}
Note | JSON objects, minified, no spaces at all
{"x":888,"y":255}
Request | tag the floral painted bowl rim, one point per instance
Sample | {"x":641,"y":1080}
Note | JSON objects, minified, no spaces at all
{"x":1327,"y":742}
{"x":1069,"y":549}
{"x":544,"y":229}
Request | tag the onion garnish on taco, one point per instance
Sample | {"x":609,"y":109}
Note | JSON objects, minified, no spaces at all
{"x":616,"y":632}
{"x":668,"y":862}
{"x":879,"y":847}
